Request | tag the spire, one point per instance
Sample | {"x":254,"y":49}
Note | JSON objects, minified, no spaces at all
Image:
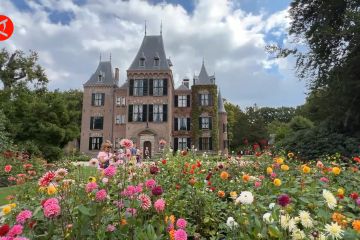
{"x":100,"y":57}
{"x":145,"y":27}
{"x":110,"y":57}
{"x":221,"y":108}
{"x":161,"y":28}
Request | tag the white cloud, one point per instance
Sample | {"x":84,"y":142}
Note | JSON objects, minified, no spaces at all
{"x":231,"y":40}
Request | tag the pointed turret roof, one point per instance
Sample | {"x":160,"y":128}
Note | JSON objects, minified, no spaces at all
{"x":102,"y":76}
{"x":204,"y":78}
{"x":152,"y":47}
{"x":221,"y":108}
{"x":183,"y":87}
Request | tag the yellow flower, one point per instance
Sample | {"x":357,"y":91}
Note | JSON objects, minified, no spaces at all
{"x":277,"y":182}
{"x":92,"y":179}
{"x":224,"y":175}
{"x":290,"y":155}
{"x":6,"y":209}
{"x":306,"y":169}
{"x":233,"y":195}
{"x":13,"y":205}
{"x":51,"y":189}
{"x":279,"y":160}
{"x":284,"y":167}
{"x":269,"y":170}
{"x":41,"y":189}
{"x":341,"y":191}
{"x":336,"y":170}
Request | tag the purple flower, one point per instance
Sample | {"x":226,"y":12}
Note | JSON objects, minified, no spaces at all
{"x":154,"y":170}
{"x":283,"y":200}
{"x":358,"y":201}
{"x":157,"y":191}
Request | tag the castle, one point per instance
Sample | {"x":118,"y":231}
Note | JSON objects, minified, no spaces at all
{"x":147,"y":108}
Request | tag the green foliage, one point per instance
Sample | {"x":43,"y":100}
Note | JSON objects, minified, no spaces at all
{"x":5,"y":142}
{"x":315,"y":142}
{"x":280,"y":129}
{"x":300,"y":123}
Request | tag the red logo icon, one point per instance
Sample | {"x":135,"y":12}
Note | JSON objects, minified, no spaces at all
{"x":6,"y":27}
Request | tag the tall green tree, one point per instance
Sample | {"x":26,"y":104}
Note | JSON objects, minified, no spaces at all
{"x":20,"y":70}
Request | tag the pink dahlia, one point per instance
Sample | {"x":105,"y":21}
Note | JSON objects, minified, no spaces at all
{"x":101,"y":195}
{"x":324,"y":179}
{"x":130,"y":212}
{"x":150,"y":183}
{"x":51,"y":210}
{"x":91,"y":186}
{"x":129,"y":191}
{"x":15,"y":230}
{"x":23,"y":216}
{"x":7,"y":168}
{"x":61,"y":172}
{"x":358,"y":201}
{"x":181,"y":223}
{"x":126,"y":143}
{"x":110,"y":171}
{"x":110,"y":228}
{"x":283,"y":200}
{"x":257,"y":184}
{"x":157,"y":191}
{"x":180,"y":234}
{"x":145,"y":201}
{"x":46,"y":179}
{"x":159,"y":205}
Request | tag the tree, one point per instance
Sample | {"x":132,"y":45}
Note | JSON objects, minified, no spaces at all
{"x":18,"y":70}
{"x":4,"y":136}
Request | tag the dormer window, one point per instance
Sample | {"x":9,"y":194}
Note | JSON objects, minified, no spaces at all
{"x":142,"y":62}
{"x":101,"y":76}
{"x":156,"y":61}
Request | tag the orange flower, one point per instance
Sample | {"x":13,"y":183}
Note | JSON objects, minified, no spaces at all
{"x":172,"y":219}
{"x":279,"y":160}
{"x":269,"y":170}
{"x":123,"y":222}
{"x":221,"y":194}
{"x":224,"y":175}
{"x":192,"y":181}
{"x":246,"y":178}
{"x":172,"y":234}
{"x":356,"y":225}
{"x":336,"y":170}
{"x":306,"y":169}
{"x":339,"y":218}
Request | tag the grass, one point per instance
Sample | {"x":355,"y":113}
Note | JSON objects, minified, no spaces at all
{"x":5,"y":191}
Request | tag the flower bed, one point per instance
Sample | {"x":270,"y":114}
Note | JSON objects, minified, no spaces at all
{"x":179,"y":198}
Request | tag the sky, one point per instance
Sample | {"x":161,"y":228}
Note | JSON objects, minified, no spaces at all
{"x":230,"y":35}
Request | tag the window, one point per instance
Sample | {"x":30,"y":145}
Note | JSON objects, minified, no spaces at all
{"x":205,"y":144}
{"x":120,"y":119}
{"x":96,"y":123}
{"x":205,"y":123}
{"x":98,"y":99}
{"x":182,"y":101}
{"x":120,"y":101}
{"x":138,"y":113}
{"x":204,"y":99}
{"x":158,"y":113}
{"x":182,"y":124}
{"x":138,"y":87}
{"x":101,"y":76}
{"x":182,"y":143}
{"x":95,"y":143}
{"x":156,"y":61}
{"x":158,"y":87}
{"x":142,"y":62}
{"x":224,"y":128}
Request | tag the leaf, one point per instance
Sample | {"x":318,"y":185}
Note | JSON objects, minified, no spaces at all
{"x":86,"y":211}
{"x":274,"y":231}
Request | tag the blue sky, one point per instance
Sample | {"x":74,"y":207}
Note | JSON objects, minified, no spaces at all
{"x":230,"y":35}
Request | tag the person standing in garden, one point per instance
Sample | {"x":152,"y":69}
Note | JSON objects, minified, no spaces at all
{"x":105,"y":155}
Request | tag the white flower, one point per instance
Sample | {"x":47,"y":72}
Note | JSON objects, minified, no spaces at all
{"x":245,"y":197}
{"x":231,"y":223}
{"x":305,"y":219}
{"x":271,"y":205}
{"x":284,"y":221}
{"x":320,"y":237}
{"x":93,"y":162}
{"x":329,"y":198}
{"x":268,"y":218}
{"x":292,"y":224}
{"x":105,"y":180}
{"x":297,"y":234}
{"x":334,"y":230}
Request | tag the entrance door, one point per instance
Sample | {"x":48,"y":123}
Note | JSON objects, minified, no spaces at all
{"x":147,"y":149}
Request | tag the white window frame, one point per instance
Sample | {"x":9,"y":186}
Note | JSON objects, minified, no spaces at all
{"x":205,"y":122}
{"x":158,"y":113}
{"x":182,"y":143}
{"x":120,"y":119}
{"x":182,"y":101}
{"x":95,"y":142}
{"x":182,"y":122}
{"x":98,"y":99}
{"x":138,"y":87}
{"x":158,"y":87}
{"x":101,"y":76}
{"x":204,"y":99}
{"x":137,"y":113}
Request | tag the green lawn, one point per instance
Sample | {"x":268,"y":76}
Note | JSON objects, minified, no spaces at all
{"x":5,"y":191}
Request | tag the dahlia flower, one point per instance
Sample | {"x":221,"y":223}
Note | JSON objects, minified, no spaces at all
{"x":334,"y":230}
{"x":181,"y":223}
{"x":329,"y":198}
{"x":145,"y":201}
{"x":305,"y":219}
{"x":110,"y":171}
{"x":245,"y":197}
{"x":180,"y":234}
{"x":231,"y":223}
{"x":159,"y":205}
{"x":23,"y":216}
{"x":15,"y":231}
{"x":101,"y":195}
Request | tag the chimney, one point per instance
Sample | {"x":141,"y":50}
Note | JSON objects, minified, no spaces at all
{"x":117,"y":74}
{"x":186,"y":82}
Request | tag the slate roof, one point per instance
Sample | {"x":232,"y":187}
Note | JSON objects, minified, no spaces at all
{"x":204,"y":78}
{"x":105,"y":70}
{"x":221,"y":108}
{"x":151,"y":47}
{"x":183,"y":87}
